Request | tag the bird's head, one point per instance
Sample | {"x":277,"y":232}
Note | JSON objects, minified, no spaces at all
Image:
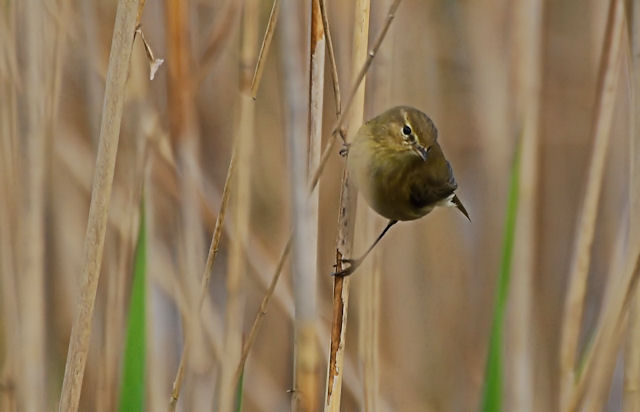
{"x":406,"y":130}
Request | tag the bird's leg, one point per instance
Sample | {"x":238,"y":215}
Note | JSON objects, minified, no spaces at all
{"x":355,"y":263}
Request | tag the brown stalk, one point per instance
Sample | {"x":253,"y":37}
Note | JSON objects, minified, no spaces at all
{"x":332,"y":58}
{"x":240,"y":214}
{"x":119,"y":58}
{"x":631,"y":395}
{"x":346,"y":216}
{"x":31,"y":253}
{"x":572,"y":318}
{"x":264,"y":48}
{"x":10,"y":375}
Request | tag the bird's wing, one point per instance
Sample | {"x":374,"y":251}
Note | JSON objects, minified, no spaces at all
{"x":430,"y":191}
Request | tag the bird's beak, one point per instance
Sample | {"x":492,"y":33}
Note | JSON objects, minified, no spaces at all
{"x":457,"y":203}
{"x":421,"y":151}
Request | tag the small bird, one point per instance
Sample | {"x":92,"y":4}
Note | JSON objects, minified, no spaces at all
{"x":400,"y":169}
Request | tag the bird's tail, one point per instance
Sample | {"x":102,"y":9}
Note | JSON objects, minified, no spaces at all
{"x":457,"y":203}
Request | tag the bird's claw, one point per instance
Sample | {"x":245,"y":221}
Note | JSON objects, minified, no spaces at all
{"x":346,"y":271}
{"x":344,"y":151}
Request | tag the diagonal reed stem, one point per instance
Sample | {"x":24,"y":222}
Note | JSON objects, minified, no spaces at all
{"x":118,"y":69}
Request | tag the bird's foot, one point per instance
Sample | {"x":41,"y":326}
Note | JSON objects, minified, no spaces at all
{"x":344,"y":151}
{"x":353,"y":265}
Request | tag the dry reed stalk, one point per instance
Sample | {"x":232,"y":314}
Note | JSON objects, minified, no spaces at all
{"x":631,"y":395}
{"x":240,"y":214}
{"x":346,"y":220}
{"x":133,"y":163}
{"x":378,"y":97}
{"x":10,"y":375}
{"x":31,"y":263}
{"x":599,"y":379}
{"x":220,"y":37}
{"x":608,"y":334}
{"x":368,"y":305}
{"x":304,"y":156}
{"x":527,"y":70}
{"x":206,"y":277}
{"x":264,"y":47}
{"x":184,"y":131}
{"x":119,"y":57}
{"x":318,"y":172}
{"x":332,"y":57}
{"x":606,"y":88}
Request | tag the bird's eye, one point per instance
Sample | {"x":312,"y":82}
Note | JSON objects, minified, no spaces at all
{"x":406,"y":130}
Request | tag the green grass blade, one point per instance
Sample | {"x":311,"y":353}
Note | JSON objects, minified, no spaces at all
{"x":492,"y":396}
{"x":132,"y":392}
{"x":239,"y":392}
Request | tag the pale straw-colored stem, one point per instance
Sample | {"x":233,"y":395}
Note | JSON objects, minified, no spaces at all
{"x":304,"y":156}
{"x":31,"y":256}
{"x":346,"y":218}
{"x":631,"y":395}
{"x":264,"y":48}
{"x":369,"y":300}
{"x":240,"y":214}
{"x":117,"y":71}
{"x":527,"y":40}
{"x":574,"y":302}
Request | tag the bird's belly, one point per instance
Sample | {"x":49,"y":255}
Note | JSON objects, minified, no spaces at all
{"x":383,"y":191}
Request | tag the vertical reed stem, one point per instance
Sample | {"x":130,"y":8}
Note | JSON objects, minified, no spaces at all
{"x":118,"y":69}
{"x":631,"y":399}
{"x":346,"y":219}
{"x":527,"y":70}
{"x":241,"y":199}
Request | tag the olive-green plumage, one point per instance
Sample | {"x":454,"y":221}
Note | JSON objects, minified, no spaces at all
{"x":399,"y":166}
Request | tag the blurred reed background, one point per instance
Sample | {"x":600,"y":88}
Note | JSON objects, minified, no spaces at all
{"x":531,"y":307}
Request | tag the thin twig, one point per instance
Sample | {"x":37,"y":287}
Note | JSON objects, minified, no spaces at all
{"x":332,"y":58}
{"x":607,"y":80}
{"x":120,"y":54}
{"x":365,"y":67}
{"x":264,"y":48}
{"x":262,"y":311}
{"x":206,"y":277}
